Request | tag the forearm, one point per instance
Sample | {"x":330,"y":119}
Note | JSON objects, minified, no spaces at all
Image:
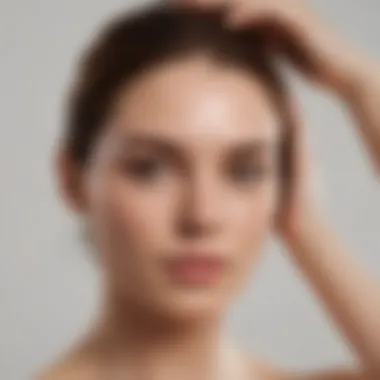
{"x":362,"y":97}
{"x":346,"y":290}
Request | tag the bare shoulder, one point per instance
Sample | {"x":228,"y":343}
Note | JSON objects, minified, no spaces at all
{"x":264,"y":370}
{"x":63,"y":372}
{"x":74,"y":365}
{"x":66,"y":371}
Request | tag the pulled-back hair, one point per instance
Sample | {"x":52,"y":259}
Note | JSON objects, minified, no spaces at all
{"x":136,"y":41}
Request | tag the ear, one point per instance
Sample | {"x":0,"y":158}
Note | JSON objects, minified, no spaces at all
{"x":296,"y":169}
{"x":70,"y":180}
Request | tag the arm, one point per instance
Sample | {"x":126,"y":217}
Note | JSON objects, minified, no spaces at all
{"x":348,"y":293}
{"x":346,"y":290}
{"x":362,"y":98}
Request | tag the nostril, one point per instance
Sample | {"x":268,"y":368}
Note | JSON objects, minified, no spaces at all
{"x":198,"y":221}
{"x":194,"y":225}
{"x":190,"y":228}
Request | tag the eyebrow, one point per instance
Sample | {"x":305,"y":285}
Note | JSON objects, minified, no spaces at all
{"x":254,"y":146}
{"x":167,"y":146}
{"x":159,"y":145}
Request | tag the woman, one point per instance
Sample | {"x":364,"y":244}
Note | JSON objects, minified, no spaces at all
{"x":183,"y":152}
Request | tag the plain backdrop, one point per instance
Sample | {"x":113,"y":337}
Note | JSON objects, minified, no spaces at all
{"x":48,"y":286}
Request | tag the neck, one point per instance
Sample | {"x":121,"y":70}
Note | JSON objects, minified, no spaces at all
{"x":146,"y":345}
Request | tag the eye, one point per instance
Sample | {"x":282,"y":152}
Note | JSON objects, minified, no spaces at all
{"x":145,"y":168}
{"x":247,"y":172}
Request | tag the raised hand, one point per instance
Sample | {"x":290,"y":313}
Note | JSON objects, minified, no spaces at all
{"x":299,"y":34}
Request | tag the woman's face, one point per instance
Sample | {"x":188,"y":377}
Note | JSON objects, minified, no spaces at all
{"x":182,"y":188}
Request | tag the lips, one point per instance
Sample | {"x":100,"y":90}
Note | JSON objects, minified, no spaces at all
{"x":196,"y":269}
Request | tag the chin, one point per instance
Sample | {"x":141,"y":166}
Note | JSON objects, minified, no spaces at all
{"x":193,"y":305}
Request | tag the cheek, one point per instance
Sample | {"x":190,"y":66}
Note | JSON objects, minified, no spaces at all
{"x":131,"y":229}
{"x":130,"y":219}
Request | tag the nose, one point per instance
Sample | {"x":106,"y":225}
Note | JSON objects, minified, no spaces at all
{"x":203,"y":207}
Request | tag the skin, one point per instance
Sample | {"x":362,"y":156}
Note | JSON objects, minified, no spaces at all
{"x":211,"y":151}
{"x":218,"y":123}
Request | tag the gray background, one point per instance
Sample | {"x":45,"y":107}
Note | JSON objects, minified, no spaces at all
{"x":48,"y":287}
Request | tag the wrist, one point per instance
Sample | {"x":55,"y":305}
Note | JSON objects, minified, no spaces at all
{"x":310,"y":227}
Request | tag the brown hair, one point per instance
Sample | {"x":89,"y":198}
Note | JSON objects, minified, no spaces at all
{"x":136,"y":41}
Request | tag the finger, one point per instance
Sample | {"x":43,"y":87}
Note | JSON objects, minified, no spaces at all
{"x":213,"y":3}
{"x":204,"y":4}
{"x":249,"y":13}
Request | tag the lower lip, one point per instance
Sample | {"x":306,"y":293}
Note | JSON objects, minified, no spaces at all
{"x":195,"y":272}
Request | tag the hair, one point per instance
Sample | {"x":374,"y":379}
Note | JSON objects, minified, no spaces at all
{"x":134,"y":42}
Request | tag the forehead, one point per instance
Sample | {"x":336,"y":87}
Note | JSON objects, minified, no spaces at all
{"x":195,"y":99}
